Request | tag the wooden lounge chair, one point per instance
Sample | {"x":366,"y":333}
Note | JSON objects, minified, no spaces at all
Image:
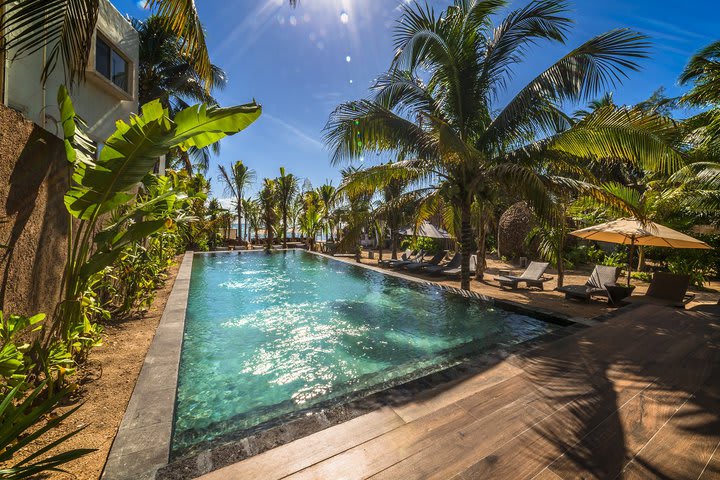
{"x":405,"y":256}
{"x":455,"y":272}
{"x":434,"y":261}
{"x":595,"y":286}
{"x":401,"y":263}
{"x":532,"y":276}
{"x":666,"y":289}
{"x":438,"y":269}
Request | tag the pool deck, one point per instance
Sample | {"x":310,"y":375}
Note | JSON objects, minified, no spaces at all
{"x":637,"y":396}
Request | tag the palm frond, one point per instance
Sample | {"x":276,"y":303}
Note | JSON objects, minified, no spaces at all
{"x":66,"y":27}
{"x":358,"y":127}
{"x":181,"y":17}
{"x":642,"y":138}
{"x":597,"y":65}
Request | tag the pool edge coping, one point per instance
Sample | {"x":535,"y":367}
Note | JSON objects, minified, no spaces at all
{"x":143,"y":440}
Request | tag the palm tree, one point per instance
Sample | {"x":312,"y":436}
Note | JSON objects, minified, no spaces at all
{"x":294,"y":212}
{"x":327,"y":195}
{"x":268,"y":203}
{"x":287,"y":187}
{"x":451,"y":131}
{"x":311,"y":218}
{"x":166,"y":74}
{"x":253,"y":217}
{"x":236,"y":181}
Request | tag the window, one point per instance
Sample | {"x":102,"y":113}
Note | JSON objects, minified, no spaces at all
{"x":110,"y":64}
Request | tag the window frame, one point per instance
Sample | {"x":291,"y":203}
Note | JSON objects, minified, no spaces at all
{"x":128,"y":92}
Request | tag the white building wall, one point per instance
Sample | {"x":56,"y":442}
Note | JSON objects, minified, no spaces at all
{"x":97,"y":100}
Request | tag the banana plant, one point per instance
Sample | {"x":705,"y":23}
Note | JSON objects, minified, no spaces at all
{"x":103,"y":186}
{"x":18,"y":428}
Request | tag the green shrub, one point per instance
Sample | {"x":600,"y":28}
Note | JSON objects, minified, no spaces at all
{"x":430,"y":245}
{"x":584,"y":254}
{"x":693,"y":264}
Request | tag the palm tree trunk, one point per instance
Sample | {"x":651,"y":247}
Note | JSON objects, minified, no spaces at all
{"x":238,"y":236}
{"x":465,"y":246}
{"x":641,"y":258}
{"x":268,"y":236}
{"x":394,"y":242}
{"x":284,"y":227}
{"x":481,"y":264}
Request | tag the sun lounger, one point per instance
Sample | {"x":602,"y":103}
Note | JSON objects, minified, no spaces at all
{"x":434,"y":261}
{"x":595,"y":286}
{"x":437,"y":269}
{"x":404,"y":257}
{"x":401,"y":263}
{"x":455,"y":272}
{"x":532,"y":276}
{"x":666,"y":289}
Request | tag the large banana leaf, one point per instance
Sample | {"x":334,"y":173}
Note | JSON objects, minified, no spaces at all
{"x":131,"y":152}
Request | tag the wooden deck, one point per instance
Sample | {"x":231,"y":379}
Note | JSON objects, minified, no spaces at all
{"x":637,"y":397}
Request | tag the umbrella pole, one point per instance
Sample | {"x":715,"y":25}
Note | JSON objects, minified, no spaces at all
{"x":630,"y":259}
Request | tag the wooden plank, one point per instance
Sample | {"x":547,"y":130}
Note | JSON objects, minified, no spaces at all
{"x":381,"y":452}
{"x":436,"y":398}
{"x":684,"y":447}
{"x":546,"y":474}
{"x":712,"y":469}
{"x":294,"y":456}
{"x":606,"y":450}
{"x":461,"y":448}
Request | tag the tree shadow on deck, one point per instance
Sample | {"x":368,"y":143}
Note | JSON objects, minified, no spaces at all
{"x":652,"y":401}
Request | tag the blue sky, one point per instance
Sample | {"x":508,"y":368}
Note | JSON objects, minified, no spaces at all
{"x":300,"y":63}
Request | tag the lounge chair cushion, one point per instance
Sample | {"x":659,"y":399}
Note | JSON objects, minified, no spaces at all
{"x":453,"y":263}
{"x":533,"y":276}
{"x":603,"y":275}
{"x":458,"y":270}
{"x":595,"y":286}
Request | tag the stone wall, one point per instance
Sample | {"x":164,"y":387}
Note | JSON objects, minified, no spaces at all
{"x":33,"y":219}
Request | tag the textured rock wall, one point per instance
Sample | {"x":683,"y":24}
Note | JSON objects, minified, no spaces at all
{"x":33,"y":219}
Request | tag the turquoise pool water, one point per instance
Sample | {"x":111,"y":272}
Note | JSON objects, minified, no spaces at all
{"x":267,"y":335}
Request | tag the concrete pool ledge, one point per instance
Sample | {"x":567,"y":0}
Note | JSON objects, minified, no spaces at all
{"x":142,"y":444}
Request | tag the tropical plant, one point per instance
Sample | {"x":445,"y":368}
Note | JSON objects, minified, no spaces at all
{"x":311,"y":218}
{"x":101,"y":187}
{"x":450,"y":130}
{"x":20,"y":420}
{"x":268,"y":214}
{"x":327,"y":193}
{"x":164,"y":73}
{"x":286,"y":187}
{"x":254,"y":217}
{"x":236,"y":181}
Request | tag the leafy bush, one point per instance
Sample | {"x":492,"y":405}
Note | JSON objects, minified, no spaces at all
{"x":643,"y":276}
{"x":615,"y":259}
{"x":691,"y":264}
{"x":22,"y":362}
{"x":430,"y":245}
{"x":584,"y":254}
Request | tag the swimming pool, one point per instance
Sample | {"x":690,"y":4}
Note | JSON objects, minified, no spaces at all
{"x":268,"y":335}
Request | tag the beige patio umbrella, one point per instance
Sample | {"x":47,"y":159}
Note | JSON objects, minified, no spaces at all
{"x":633,"y":232}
